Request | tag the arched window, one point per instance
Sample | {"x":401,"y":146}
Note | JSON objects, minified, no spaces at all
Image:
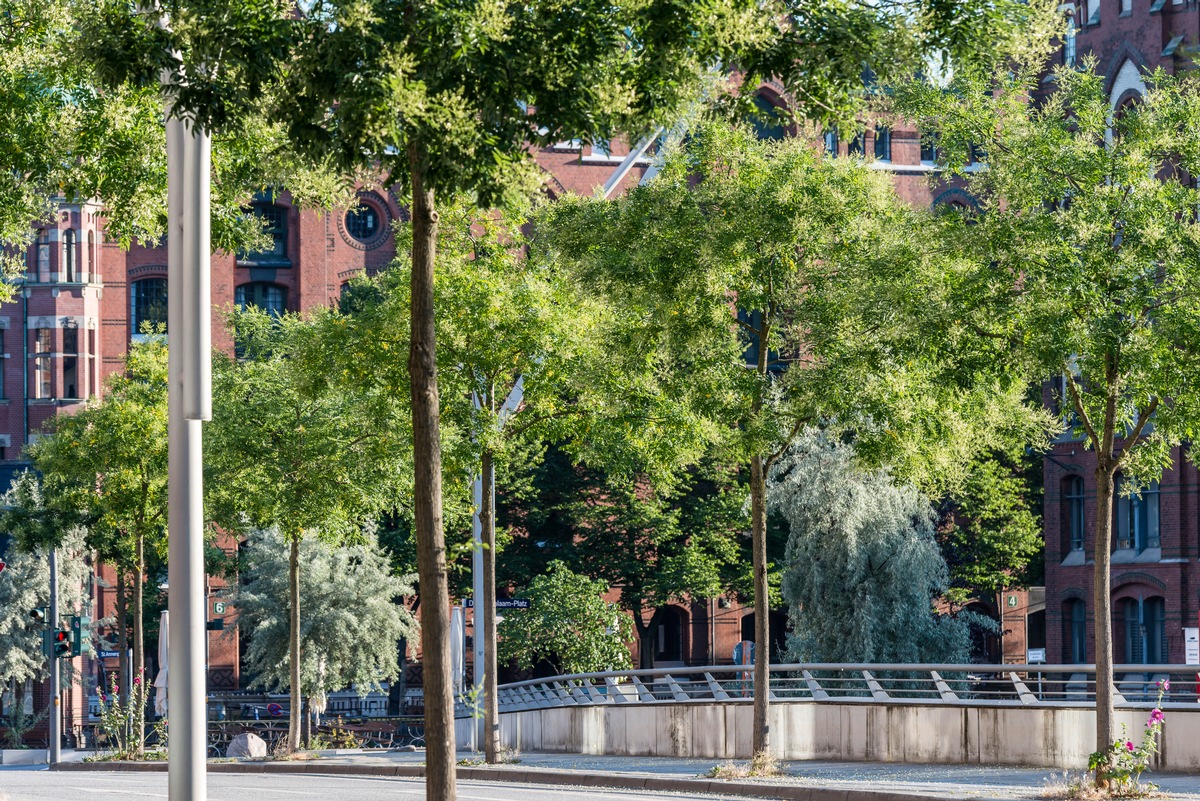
{"x":68,"y":271}
{"x":1136,"y":517}
{"x":1075,"y":632}
{"x":271,"y":298}
{"x":668,"y":642}
{"x":768,"y":122}
{"x":1069,"y":43}
{"x":1145,"y":630}
{"x":1072,"y":512}
{"x":148,"y":304}
{"x":43,"y":256}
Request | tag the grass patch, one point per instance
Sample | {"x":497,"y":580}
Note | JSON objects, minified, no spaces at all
{"x":1082,"y":787}
{"x":763,"y":765}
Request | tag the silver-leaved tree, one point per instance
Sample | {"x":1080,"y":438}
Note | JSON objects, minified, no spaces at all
{"x":352,"y":621}
{"x":863,"y":568}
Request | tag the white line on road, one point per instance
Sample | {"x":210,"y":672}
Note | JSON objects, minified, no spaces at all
{"x":116,"y":792}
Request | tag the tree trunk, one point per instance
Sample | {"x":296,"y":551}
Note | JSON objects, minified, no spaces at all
{"x":762,"y":611}
{"x":487,"y":606}
{"x":427,"y":492}
{"x":294,"y":714}
{"x":139,"y":646}
{"x":123,"y":684}
{"x":645,"y":635}
{"x":1102,"y":605}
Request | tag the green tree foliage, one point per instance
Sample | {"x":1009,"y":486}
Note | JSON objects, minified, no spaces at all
{"x":863,"y":569}
{"x":568,"y":624}
{"x":796,"y":241}
{"x":991,"y":530}
{"x":656,"y":546}
{"x":289,"y":450}
{"x":1081,"y":264}
{"x":105,"y":468}
{"x":353,"y":621}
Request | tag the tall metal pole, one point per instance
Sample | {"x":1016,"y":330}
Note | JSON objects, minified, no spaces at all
{"x":477,"y":600}
{"x":188,"y":403}
{"x":55,"y":752}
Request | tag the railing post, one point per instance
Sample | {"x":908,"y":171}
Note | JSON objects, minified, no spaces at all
{"x":814,"y":687}
{"x":714,"y":686}
{"x":877,"y":691}
{"x":942,"y":687}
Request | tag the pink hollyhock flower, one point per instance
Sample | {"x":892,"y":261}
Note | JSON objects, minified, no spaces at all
{"x":1156,"y":716}
{"x":1129,"y":744}
{"x":137,"y":680}
{"x":1166,"y":685}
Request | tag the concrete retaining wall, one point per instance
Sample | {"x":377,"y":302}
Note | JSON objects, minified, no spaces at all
{"x":1041,"y":736}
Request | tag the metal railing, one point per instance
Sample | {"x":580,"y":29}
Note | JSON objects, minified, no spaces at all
{"x":1016,"y":685}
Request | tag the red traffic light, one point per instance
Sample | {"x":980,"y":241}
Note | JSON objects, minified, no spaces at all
{"x":2,"y":565}
{"x":62,"y":643}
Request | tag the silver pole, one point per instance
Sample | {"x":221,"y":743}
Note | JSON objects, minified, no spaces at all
{"x":55,"y":752}
{"x":188,"y":402}
{"x":477,"y":592}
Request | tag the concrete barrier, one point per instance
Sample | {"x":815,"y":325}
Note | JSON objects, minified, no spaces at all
{"x":1053,"y":737}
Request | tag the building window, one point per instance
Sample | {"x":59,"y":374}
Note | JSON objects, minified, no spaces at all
{"x":41,"y":362}
{"x":363,"y":223}
{"x":70,"y":351}
{"x":68,"y":270}
{"x":1075,"y":635}
{"x":929,"y":149}
{"x":858,"y":144}
{"x":273,"y":219}
{"x":148,"y":305}
{"x":91,"y":256}
{"x":1137,"y":517}
{"x":1072,"y":510}
{"x":3,"y":362}
{"x":269,"y":297}
{"x":768,"y":121}
{"x":1069,"y":43}
{"x":43,"y":256}
{"x":1145,"y":631}
{"x":831,"y":143}
{"x":1127,"y":7}
{"x":883,"y":143}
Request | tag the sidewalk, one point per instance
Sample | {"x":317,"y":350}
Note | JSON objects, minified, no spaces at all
{"x":803,"y":781}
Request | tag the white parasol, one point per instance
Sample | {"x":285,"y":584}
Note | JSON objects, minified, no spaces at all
{"x":160,"y":681}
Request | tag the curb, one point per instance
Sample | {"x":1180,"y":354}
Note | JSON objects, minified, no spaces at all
{"x":742,"y":789}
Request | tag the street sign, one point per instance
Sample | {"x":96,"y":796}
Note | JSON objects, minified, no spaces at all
{"x":1191,"y":646}
{"x":274,"y":710}
{"x":743,"y":653}
{"x":219,"y":607}
{"x":1035,"y":656}
{"x":502,"y":603}
{"x":108,"y":654}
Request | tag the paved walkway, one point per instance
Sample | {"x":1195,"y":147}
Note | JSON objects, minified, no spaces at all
{"x":844,"y":781}
{"x":924,"y":781}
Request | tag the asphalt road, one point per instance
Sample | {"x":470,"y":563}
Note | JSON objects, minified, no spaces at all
{"x":44,"y":785}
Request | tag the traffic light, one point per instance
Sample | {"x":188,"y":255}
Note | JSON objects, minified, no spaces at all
{"x":40,"y":614}
{"x":81,"y":635}
{"x":61,"y":643}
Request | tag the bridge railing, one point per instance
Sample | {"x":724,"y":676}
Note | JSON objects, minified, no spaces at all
{"x":1018,"y":685}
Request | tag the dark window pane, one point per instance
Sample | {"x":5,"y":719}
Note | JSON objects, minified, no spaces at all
{"x":268,"y":297}
{"x":883,"y":143}
{"x":149,"y":304}
{"x":363,"y":222}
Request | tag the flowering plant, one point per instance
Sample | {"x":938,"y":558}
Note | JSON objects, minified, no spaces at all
{"x":117,"y":719}
{"x":1119,"y":768}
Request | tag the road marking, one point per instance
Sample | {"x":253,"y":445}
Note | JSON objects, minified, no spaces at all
{"x":116,"y":792}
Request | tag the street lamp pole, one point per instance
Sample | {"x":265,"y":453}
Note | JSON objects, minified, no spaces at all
{"x":189,"y":402}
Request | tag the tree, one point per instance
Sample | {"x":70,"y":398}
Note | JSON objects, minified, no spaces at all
{"x":25,"y":586}
{"x":991,"y":529}
{"x":104,"y":468}
{"x":1081,"y":264}
{"x":355,"y":618}
{"x":749,"y":290}
{"x":569,"y":622}
{"x":447,"y":98}
{"x":291,"y":451}
{"x":863,"y":569}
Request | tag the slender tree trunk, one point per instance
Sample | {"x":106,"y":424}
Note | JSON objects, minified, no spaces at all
{"x":123,"y":683}
{"x":762,"y":604}
{"x":645,"y":635}
{"x":139,"y":645}
{"x":487,"y":522}
{"x":295,"y":713}
{"x":427,"y":492}
{"x":1102,"y":606}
